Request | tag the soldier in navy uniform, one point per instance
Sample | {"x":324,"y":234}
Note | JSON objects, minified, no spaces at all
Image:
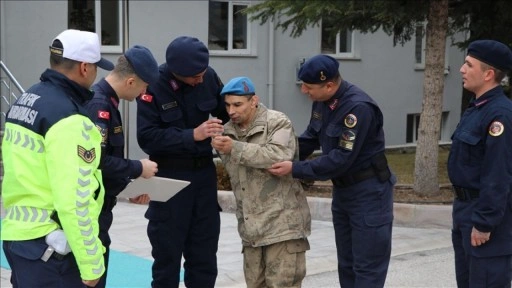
{"x":480,"y":169}
{"x":131,"y":75}
{"x":174,"y":126}
{"x":348,"y":127}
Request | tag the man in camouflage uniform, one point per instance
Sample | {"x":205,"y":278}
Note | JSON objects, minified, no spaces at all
{"x":272,"y":212}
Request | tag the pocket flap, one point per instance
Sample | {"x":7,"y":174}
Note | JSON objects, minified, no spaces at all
{"x":378,"y":220}
{"x":297,"y":246}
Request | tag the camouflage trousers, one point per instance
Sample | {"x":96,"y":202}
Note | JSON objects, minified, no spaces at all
{"x":281,"y":264}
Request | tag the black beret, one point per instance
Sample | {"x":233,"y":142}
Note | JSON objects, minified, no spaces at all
{"x":318,"y":69}
{"x":493,"y":53}
{"x":187,"y":56}
{"x":143,"y":63}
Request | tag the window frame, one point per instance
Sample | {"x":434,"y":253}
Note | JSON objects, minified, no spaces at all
{"x":110,"y":48}
{"x":249,"y":51}
{"x":354,"y":45}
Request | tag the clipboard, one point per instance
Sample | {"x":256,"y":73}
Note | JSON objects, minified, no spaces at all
{"x":158,"y":188}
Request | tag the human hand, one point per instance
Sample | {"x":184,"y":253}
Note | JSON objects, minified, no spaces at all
{"x":478,"y":238}
{"x":281,"y":168}
{"x":223,"y":144}
{"x":141,"y":199}
{"x":90,"y":283}
{"x":209,"y":128}
{"x":149,"y":168}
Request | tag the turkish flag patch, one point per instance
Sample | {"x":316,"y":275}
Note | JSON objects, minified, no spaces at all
{"x":103,"y":114}
{"x":147,"y":98}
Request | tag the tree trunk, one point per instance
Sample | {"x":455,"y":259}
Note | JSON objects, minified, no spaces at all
{"x":426,"y":178}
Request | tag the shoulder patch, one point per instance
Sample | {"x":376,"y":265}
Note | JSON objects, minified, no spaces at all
{"x":103,"y":132}
{"x":146,"y":97}
{"x":350,"y":120}
{"x":496,"y":128}
{"x":103,"y":114}
{"x":87,"y":155}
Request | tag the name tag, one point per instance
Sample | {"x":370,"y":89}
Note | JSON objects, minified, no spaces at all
{"x":169,"y":105}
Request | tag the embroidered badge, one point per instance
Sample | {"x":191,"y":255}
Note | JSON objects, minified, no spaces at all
{"x":350,"y":120}
{"x":316,"y":115}
{"x":169,"y":105}
{"x":114,"y":101}
{"x":104,"y":133}
{"x":496,"y":128}
{"x":174,"y":84}
{"x":348,"y":145}
{"x":87,"y":155}
{"x":348,"y":135}
{"x":333,"y":104}
{"x":146,"y":97}
{"x":103,"y":114}
{"x":246,"y":88}
{"x":118,"y":129}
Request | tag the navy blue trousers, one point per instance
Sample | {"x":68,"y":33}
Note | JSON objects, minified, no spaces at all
{"x":363,"y":221}
{"x":187,"y":225}
{"x":28,"y":270}
{"x":105,"y":222}
{"x":471,"y":271}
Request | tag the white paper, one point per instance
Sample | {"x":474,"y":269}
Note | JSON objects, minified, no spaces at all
{"x":158,"y":188}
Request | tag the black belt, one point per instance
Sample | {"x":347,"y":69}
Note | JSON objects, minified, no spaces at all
{"x":349,"y":180}
{"x":58,"y":256}
{"x":182,"y":163}
{"x":464,"y":194}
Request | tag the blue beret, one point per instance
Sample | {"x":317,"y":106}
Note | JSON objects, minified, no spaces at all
{"x":493,"y":53}
{"x":187,"y":56}
{"x":240,"y":86}
{"x":318,"y":69}
{"x":143,"y":63}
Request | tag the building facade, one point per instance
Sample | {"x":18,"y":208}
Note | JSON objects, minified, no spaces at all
{"x":392,"y":75}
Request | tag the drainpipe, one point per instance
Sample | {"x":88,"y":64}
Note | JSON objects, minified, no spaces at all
{"x":126,"y":104}
{"x":271,"y":65}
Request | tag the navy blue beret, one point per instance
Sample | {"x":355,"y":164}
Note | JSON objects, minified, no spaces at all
{"x":493,"y":53}
{"x":143,"y":63}
{"x":318,"y":69}
{"x":187,"y":56}
{"x":240,"y":86}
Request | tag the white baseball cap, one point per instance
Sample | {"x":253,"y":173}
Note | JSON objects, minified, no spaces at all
{"x":81,"y":46}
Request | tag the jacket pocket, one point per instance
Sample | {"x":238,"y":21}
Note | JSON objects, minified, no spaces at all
{"x":471,"y":148}
{"x":297,"y":246}
{"x":172,"y":115}
{"x":207,"y":106}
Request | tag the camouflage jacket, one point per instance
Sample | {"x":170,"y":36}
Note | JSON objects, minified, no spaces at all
{"x":269,"y":209}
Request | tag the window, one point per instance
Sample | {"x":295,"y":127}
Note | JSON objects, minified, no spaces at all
{"x":228,"y":28}
{"x":94,"y":16}
{"x":340,"y":45}
{"x":420,"y":45}
{"x":413,"y":124}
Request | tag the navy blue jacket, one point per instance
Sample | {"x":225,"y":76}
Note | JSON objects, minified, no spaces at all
{"x":59,"y":98}
{"x":170,"y":110}
{"x":348,"y":128}
{"x":103,"y":110}
{"x":480,"y":161}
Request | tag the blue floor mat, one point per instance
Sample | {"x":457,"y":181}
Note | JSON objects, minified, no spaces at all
{"x":125,"y":270}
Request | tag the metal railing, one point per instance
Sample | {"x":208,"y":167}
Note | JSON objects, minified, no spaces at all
{"x":10,"y":90}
